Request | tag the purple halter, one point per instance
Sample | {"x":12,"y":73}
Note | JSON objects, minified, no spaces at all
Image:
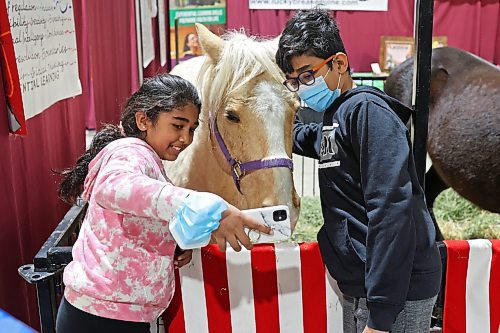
{"x":239,"y":169}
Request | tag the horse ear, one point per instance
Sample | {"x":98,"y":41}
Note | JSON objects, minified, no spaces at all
{"x":439,"y":77}
{"x":211,"y":43}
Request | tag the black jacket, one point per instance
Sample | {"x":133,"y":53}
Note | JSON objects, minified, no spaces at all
{"x":378,"y":240}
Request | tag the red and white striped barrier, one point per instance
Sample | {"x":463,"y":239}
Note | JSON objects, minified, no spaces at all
{"x":472,"y":292}
{"x":284,"y":288}
{"x":273,"y":288}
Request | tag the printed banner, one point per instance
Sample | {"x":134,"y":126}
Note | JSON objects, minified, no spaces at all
{"x":190,"y":12}
{"x":184,"y":45}
{"x":372,"y":5}
{"x":43,"y":33}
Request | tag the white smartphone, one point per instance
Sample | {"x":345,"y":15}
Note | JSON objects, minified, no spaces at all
{"x":275,"y":217}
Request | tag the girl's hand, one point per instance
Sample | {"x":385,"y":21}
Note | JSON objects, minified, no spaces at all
{"x":231,"y":229}
{"x":182,"y":257}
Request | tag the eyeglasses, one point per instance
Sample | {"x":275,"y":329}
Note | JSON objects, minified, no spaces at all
{"x":306,"y":78}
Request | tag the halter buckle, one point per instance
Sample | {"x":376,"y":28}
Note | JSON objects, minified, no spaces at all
{"x":237,"y":170}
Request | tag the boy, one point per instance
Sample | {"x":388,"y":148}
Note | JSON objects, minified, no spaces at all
{"x":378,"y":238}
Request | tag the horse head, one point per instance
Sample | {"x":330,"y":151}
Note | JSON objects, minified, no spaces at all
{"x":242,"y":150}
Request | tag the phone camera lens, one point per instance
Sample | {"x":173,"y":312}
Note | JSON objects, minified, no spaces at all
{"x":279,"y":215}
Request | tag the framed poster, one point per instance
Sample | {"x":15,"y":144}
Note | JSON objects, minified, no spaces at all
{"x":394,"y":50}
{"x":183,"y":38}
{"x":439,"y":41}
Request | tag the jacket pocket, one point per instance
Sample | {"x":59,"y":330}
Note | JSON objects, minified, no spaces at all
{"x":146,"y":278}
{"x":341,"y":238}
{"x":161,"y":289}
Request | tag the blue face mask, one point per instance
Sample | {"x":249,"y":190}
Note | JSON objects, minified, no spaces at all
{"x":196,"y":218}
{"x":318,"y":96}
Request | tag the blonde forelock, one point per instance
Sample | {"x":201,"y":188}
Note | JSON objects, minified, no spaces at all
{"x":242,"y":59}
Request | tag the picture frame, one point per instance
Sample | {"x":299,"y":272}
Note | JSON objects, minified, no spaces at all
{"x":394,"y":50}
{"x":439,"y":41}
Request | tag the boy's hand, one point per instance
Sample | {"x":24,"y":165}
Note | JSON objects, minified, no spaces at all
{"x":231,"y":229}
{"x":182,"y":257}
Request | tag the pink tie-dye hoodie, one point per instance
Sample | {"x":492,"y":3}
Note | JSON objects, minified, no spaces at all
{"x":122,"y":264}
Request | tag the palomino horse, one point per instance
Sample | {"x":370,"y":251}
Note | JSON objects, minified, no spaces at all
{"x":464,"y":124}
{"x":243,"y":146}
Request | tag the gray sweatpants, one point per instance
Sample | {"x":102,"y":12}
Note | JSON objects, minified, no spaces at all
{"x":414,"y":318}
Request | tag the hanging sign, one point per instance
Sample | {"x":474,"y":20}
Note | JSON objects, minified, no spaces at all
{"x":368,"y":5}
{"x":189,"y":12}
{"x":43,"y":33}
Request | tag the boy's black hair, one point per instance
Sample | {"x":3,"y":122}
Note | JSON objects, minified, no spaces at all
{"x":312,"y":32}
{"x":158,"y":94}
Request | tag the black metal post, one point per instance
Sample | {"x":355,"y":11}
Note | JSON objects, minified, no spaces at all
{"x":176,"y":34}
{"x":421,"y":82}
{"x":48,"y":265}
{"x":47,"y":307}
{"x":167,"y":24}
{"x":438,"y":318}
{"x":424,"y":12}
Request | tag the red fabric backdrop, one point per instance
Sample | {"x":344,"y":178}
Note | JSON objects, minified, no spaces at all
{"x":112,"y":57}
{"x":107,"y":55}
{"x":30,"y":209}
{"x":29,"y":205}
{"x":470,"y":25}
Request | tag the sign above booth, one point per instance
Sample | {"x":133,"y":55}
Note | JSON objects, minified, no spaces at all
{"x":367,"y":5}
{"x":208,"y":14}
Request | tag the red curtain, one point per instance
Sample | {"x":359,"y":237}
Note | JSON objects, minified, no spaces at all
{"x":361,"y":31}
{"x":28,"y":201}
{"x":107,"y":55}
{"x":263,"y":22}
{"x":29,"y":205}
{"x":112,"y":54}
{"x":470,"y":25}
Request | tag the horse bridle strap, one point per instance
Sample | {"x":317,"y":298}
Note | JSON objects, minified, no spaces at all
{"x":240,"y":169}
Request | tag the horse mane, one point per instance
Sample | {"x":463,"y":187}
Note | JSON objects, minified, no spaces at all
{"x":242,"y":59}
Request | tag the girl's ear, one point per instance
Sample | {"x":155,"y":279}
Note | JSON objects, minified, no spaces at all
{"x":141,"y":120}
{"x":341,"y":63}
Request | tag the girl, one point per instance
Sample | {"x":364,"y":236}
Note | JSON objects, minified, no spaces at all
{"x":122,"y":273}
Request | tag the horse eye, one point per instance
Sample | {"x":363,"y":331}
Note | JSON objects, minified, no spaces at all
{"x":232,"y":116}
